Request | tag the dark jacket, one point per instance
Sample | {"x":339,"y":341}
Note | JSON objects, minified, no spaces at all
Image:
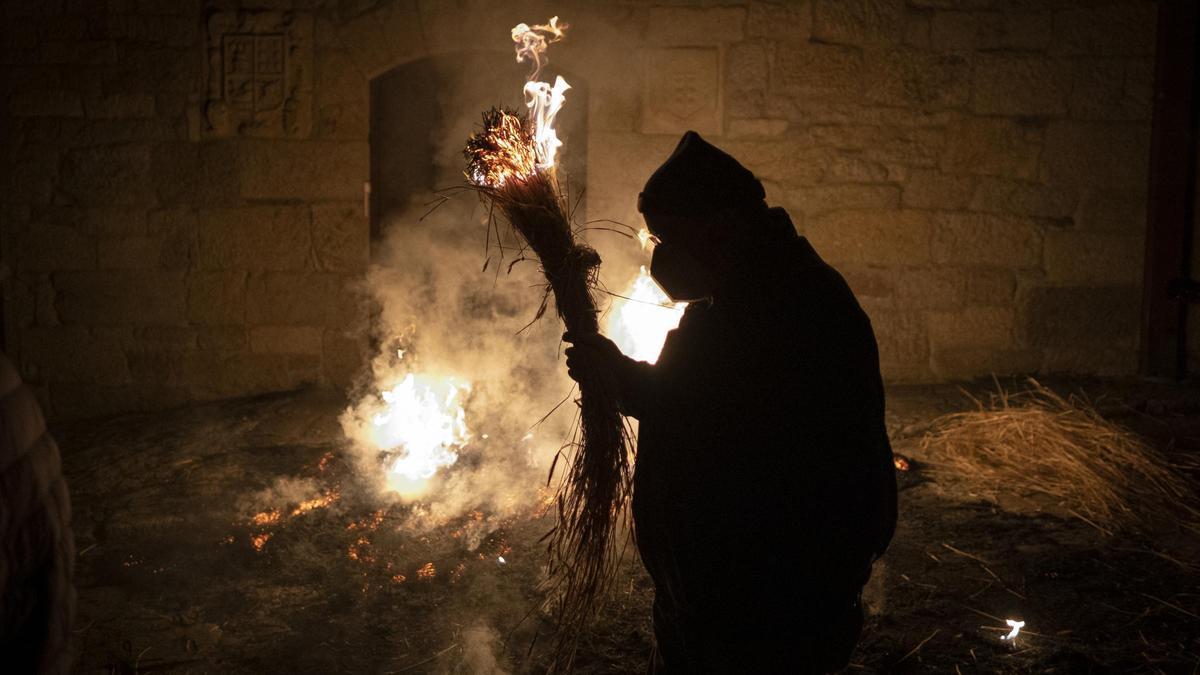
{"x":764,"y":484}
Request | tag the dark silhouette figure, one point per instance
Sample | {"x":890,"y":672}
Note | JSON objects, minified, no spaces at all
{"x":37,"y":548}
{"x":764,"y":487}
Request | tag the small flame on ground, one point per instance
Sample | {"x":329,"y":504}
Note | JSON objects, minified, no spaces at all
{"x":900,"y":463}
{"x":640,"y":321}
{"x":1016,"y":630}
{"x":259,"y":541}
{"x":423,"y":421}
{"x":427,"y":571}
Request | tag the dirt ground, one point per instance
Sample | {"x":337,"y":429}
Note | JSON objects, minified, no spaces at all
{"x":182,"y":569}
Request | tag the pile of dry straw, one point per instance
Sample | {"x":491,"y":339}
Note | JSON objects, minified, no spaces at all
{"x":1036,"y":441}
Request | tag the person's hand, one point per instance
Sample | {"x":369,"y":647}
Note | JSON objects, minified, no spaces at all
{"x":591,"y":353}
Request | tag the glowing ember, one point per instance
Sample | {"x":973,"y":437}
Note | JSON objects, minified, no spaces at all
{"x":640,"y":321}
{"x":900,"y":463}
{"x":259,"y":541}
{"x":398,"y":578}
{"x":1016,"y":630}
{"x":427,"y":572}
{"x":321,"y":502}
{"x":266,"y":517}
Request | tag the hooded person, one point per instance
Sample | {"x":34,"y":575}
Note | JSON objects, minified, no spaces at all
{"x":764,"y":487}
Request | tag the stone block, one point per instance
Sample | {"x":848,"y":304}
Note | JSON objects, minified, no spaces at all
{"x":816,"y":71}
{"x":873,"y":237}
{"x":313,"y":170}
{"x":694,"y":26}
{"x":932,"y":189}
{"x":1084,"y":318}
{"x":73,"y":354}
{"x":122,"y":297}
{"x":121,"y":106}
{"x":255,"y":238}
{"x":958,"y":363}
{"x":909,"y":78}
{"x":108,"y":221}
{"x":917,"y":31}
{"x":129,"y":253}
{"x":746,"y":70}
{"x":286,"y":339}
{"x":989,"y":287}
{"x":870,"y":283}
{"x":939,"y":288}
{"x":1096,"y":155}
{"x":1017,"y":31}
{"x":859,"y":22}
{"x":222,"y":338}
{"x":785,"y":160}
{"x":48,"y":247}
{"x":166,"y":339}
{"x":45,"y":103}
{"x":821,"y":199}
{"x":215,"y":374}
{"x":1112,"y":211}
{"x":887,"y":145}
{"x":79,"y":52}
{"x":1017,"y":84}
{"x":974,"y":327}
{"x":1001,"y":195}
{"x":217,"y":298}
{"x":108,"y":175}
{"x":1107,"y":29}
{"x":985,"y":240}
{"x":850,"y":168}
{"x":1112,"y":89}
{"x":179,"y":231}
{"x":155,"y":68}
{"x":681,"y":91}
{"x":752,"y":128}
{"x":903,"y":342}
{"x":1080,"y":258}
{"x":299,"y":299}
{"x":993,"y":146}
{"x":344,"y":358}
{"x":202,"y":174}
{"x":780,"y":21}
{"x":341,"y":238}
{"x":953,"y":31}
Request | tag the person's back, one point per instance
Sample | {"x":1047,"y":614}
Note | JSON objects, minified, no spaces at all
{"x":763,"y":486}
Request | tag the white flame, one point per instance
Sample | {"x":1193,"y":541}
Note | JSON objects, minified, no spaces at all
{"x":422,"y":419}
{"x":1016,"y":630}
{"x":639,"y":324}
{"x":543,"y":99}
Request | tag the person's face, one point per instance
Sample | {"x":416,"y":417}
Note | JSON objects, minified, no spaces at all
{"x":676,"y":263}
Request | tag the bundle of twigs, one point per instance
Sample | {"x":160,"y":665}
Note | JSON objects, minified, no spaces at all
{"x":1040,"y":442}
{"x":584,"y":544}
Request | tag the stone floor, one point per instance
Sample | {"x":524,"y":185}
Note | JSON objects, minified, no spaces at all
{"x":234,"y":538}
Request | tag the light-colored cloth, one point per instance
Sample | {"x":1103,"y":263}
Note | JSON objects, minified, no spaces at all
{"x":37,"y":548}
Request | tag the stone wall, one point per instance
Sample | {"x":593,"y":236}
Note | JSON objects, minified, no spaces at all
{"x":182,"y":206}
